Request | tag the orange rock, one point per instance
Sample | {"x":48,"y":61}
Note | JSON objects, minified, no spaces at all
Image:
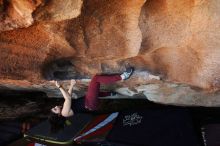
{"x":180,"y":40}
{"x":177,"y":39}
{"x":23,"y":13}
{"x":18,"y":14}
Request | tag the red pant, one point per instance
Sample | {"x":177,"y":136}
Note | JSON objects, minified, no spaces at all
{"x":91,"y":100}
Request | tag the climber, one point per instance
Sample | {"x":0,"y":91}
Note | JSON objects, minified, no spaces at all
{"x":59,"y":114}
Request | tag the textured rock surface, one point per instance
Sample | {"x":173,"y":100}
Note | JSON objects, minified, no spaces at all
{"x":17,"y":13}
{"x":170,"y":93}
{"x":24,"y":51}
{"x":181,"y":40}
{"x":23,"y":13}
{"x":58,"y":10}
{"x":177,"y":40}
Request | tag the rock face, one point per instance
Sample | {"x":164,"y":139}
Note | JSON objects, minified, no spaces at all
{"x":23,"y":53}
{"x":17,"y":13}
{"x":177,"y":40}
{"x":23,"y":13}
{"x":181,"y":40}
{"x":105,"y":26}
{"x":58,"y":10}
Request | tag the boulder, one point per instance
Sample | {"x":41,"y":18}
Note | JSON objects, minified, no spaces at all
{"x":175,"y":41}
